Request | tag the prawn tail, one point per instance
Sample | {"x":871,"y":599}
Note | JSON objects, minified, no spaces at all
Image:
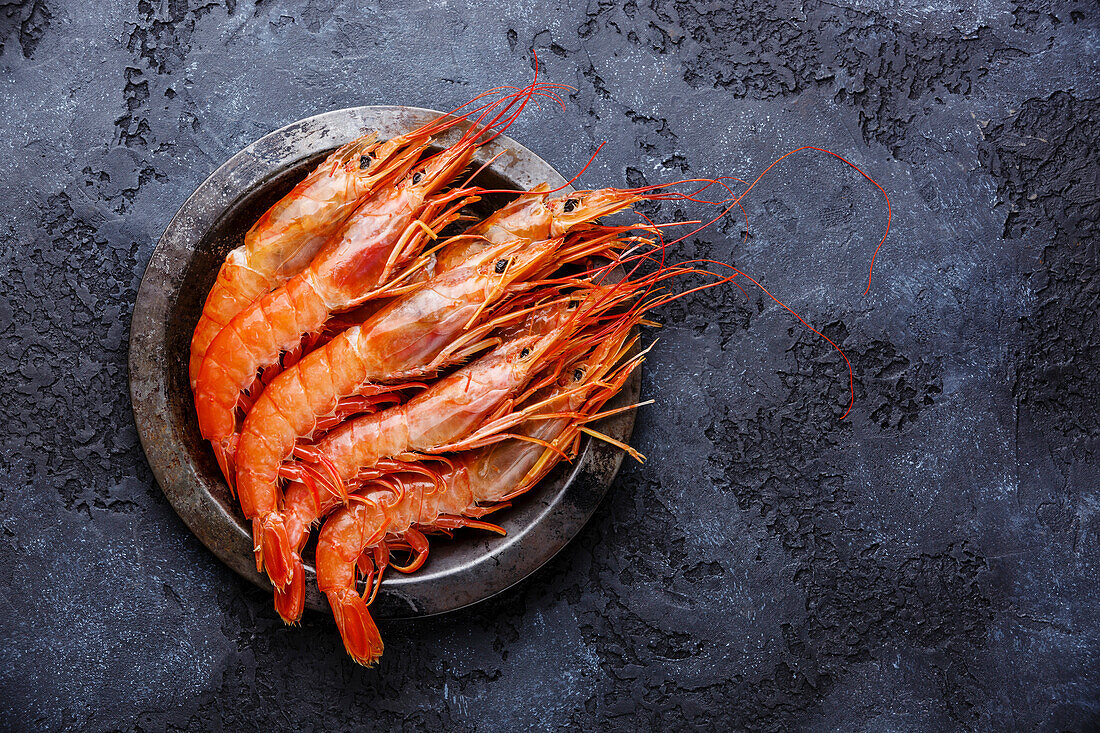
{"x":357,"y":628}
{"x":224,"y":455}
{"x":290,"y":600}
{"x":273,"y":552}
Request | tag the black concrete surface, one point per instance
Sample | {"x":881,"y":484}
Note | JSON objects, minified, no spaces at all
{"x":928,"y":564}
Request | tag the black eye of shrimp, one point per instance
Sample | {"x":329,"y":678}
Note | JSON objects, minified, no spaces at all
{"x":578,"y":375}
{"x":501,"y":266}
{"x":417,"y":176}
{"x":571,"y":305}
{"x":570,"y":204}
{"x":364,"y":162}
{"x":525,"y":353}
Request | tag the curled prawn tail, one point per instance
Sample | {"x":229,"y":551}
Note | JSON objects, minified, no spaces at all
{"x":357,"y":628}
{"x":290,"y":600}
{"x":273,"y":549}
{"x":224,"y":455}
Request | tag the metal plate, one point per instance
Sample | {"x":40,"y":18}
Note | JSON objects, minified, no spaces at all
{"x":471,"y":567}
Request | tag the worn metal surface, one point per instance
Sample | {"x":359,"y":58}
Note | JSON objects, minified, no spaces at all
{"x":212,"y":222}
{"x":930,"y":563}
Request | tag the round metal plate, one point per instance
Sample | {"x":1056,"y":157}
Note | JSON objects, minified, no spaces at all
{"x":471,"y":567}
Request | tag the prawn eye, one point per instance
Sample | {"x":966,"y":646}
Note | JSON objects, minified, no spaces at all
{"x":525,"y":353}
{"x":570,"y":204}
{"x":364,"y":162}
{"x":571,"y":305}
{"x":501,"y":266}
{"x":578,"y":374}
{"x":417,"y":176}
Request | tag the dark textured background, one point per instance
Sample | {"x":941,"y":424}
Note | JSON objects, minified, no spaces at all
{"x":928,"y":564}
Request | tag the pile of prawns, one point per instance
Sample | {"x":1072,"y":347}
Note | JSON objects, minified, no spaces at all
{"x":354,"y":369}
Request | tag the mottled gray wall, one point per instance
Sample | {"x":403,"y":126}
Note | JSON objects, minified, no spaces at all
{"x":930,"y":563}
